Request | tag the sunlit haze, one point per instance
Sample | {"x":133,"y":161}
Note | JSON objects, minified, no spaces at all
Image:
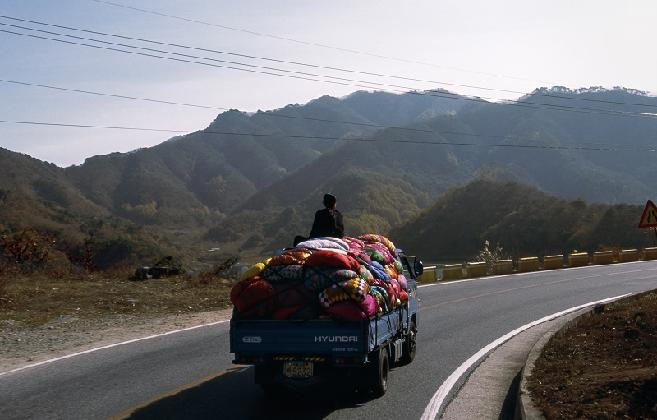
{"x":516,"y":46}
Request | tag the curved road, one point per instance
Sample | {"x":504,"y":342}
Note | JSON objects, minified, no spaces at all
{"x":189,"y":374}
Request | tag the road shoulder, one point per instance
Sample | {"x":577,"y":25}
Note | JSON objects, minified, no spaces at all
{"x":490,"y":390}
{"x":21,"y":346}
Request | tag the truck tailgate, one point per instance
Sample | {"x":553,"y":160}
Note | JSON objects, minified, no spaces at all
{"x":326,"y":337}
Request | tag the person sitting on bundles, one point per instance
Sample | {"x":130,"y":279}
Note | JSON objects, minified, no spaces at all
{"x":328,"y":221}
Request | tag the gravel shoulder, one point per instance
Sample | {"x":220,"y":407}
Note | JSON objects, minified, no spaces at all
{"x":42,"y":318}
{"x":21,"y":345}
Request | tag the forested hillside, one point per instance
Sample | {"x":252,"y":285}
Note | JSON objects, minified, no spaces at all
{"x":521,"y":219}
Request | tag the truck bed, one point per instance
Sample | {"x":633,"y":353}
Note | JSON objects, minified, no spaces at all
{"x":314,"y":337}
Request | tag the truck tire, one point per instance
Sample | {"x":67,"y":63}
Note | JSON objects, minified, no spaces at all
{"x":409,"y":348}
{"x":378,"y":372}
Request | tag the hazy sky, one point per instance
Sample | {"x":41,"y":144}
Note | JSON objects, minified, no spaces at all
{"x":512,"y":45}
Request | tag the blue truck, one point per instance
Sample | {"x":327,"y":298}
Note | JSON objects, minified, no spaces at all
{"x":298,"y":353}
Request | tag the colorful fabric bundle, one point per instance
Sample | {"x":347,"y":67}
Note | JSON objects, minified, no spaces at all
{"x":330,"y":259}
{"x":346,"y":311}
{"x":381,"y":295}
{"x":255,"y":269}
{"x":291,"y":257}
{"x":318,"y":278}
{"x":332,"y":295}
{"x":403,"y":282}
{"x":283,"y":274}
{"x":378,"y":252}
{"x":347,"y":279}
{"x":325,"y":243}
{"x":354,"y":244}
{"x":288,"y":295}
{"x":391,"y":271}
{"x":365,"y":274}
{"x":253,"y":297}
{"x":369,"y":305}
{"x":374,"y":238}
{"x":354,"y":289}
{"x":403,"y":296}
{"x":378,"y":271}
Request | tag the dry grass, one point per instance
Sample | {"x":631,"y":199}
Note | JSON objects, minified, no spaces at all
{"x":36,"y":299}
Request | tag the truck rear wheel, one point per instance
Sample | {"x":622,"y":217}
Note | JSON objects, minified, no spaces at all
{"x":409,"y":348}
{"x":378,"y":372}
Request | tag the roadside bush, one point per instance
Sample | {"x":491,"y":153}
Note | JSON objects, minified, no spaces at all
{"x":490,"y":255}
{"x":27,"y":249}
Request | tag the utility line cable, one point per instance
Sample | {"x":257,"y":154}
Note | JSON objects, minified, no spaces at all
{"x":267,"y":69}
{"x":302,"y":42}
{"x":274,"y":114}
{"x":602,"y":148}
{"x":441,"y":94}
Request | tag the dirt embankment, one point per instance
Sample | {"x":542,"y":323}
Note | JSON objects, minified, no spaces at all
{"x":603,"y":367}
{"x":42,"y":318}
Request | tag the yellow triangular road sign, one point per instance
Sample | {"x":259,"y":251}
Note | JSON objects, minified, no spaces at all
{"x":649,"y":216}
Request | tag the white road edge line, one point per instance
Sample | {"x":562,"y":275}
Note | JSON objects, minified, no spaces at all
{"x":109,"y":346}
{"x":432,"y":410}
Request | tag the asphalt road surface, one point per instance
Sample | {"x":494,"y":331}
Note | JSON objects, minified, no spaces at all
{"x":189,"y":374}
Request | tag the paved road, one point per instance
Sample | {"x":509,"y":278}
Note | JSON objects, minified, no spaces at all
{"x":189,"y":375}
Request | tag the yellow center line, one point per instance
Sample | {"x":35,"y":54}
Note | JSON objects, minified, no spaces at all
{"x":129,"y":411}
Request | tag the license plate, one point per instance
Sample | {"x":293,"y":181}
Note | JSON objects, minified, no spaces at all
{"x":298,"y":369}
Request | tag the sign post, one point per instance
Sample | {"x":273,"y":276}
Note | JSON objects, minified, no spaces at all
{"x":649,"y":217}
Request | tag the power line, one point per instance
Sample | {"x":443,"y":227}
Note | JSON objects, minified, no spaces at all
{"x":261,"y":114}
{"x":411,"y":90}
{"x":110,"y":95}
{"x":601,"y":148}
{"x":303,"y":42}
{"x":275,"y":71}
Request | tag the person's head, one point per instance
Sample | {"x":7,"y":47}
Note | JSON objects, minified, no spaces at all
{"x":329,"y":201}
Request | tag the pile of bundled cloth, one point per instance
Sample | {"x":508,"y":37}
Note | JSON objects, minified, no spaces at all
{"x":342,"y":278}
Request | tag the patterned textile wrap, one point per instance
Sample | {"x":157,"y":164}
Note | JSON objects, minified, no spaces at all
{"x":391,"y":271}
{"x":365,"y":274}
{"x":361,"y":256}
{"x":369,"y":306}
{"x":403,"y":283}
{"x":325,"y":243}
{"x":253,"y":297}
{"x":346,"y":311}
{"x":378,"y":271}
{"x":332,"y":295}
{"x":388,"y":258}
{"x":355,"y":244}
{"x":283,"y":274}
{"x":330,"y":259}
{"x":294,"y":256}
{"x":397,"y":290}
{"x":403,"y":296}
{"x":255,"y":269}
{"x":288,"y":295}
{"x":398,"y":266}
{"x":375,"y":255}
{"x":318,"y":278}
{"x":374,"y":238}
{"x":354,"y":289}
{"x":381,"y":295}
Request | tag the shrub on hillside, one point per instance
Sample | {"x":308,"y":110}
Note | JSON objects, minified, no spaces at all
{"x":28,"y":249}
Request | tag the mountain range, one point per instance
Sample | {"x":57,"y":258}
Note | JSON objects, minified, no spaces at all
{"x":249,"y":182}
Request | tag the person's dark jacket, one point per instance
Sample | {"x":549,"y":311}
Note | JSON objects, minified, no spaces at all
{"x":327,"y":223}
